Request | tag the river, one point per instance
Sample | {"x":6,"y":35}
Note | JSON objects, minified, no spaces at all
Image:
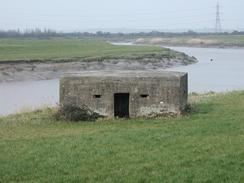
{"x":25,"y":96}
{"x":224,"y":73}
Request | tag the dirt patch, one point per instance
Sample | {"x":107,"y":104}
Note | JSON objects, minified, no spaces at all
{"x":168,"y":41}
{"x":201,"y":41}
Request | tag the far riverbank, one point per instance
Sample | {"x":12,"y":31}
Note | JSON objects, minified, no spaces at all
{"x":34,"y":59}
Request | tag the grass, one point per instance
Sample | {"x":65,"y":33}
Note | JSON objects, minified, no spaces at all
{"x":70,"y":48}
{"x":229,"y":40}
{"x":207,"y":146}
{"x":208,"y":40}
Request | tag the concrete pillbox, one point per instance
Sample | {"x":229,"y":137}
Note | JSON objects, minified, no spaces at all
{"x":126,"y":93}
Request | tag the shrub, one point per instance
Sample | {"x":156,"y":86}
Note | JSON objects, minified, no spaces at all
{"x":76,"y":113}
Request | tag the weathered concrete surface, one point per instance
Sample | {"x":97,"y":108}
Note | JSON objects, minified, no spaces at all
{"x":151,"y":93}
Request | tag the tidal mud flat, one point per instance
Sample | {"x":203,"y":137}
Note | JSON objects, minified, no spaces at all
{"x":38,"y":70}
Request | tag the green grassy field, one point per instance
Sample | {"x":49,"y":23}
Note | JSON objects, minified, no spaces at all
{"x":207,"y":146}
{"x":57,"y":48}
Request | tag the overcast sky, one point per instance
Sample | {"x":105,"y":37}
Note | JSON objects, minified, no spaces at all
{"x":82,"y":15}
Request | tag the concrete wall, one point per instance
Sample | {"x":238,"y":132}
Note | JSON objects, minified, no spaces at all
{"x":151,"y":93}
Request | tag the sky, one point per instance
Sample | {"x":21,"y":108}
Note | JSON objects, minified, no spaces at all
{"x":121,"y":15}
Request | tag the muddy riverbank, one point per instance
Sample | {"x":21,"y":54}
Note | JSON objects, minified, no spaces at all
{"x":37,"y":70}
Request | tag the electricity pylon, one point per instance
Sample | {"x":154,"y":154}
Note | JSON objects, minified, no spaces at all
{"x":218,"y":28}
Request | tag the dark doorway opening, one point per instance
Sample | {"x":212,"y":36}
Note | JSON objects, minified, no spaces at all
{"x":121,"y":105}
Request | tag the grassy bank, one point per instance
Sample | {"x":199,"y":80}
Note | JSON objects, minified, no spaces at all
{"x":207,"y":146}
{"x":58,"y":48}
{"x":201,"y":41}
